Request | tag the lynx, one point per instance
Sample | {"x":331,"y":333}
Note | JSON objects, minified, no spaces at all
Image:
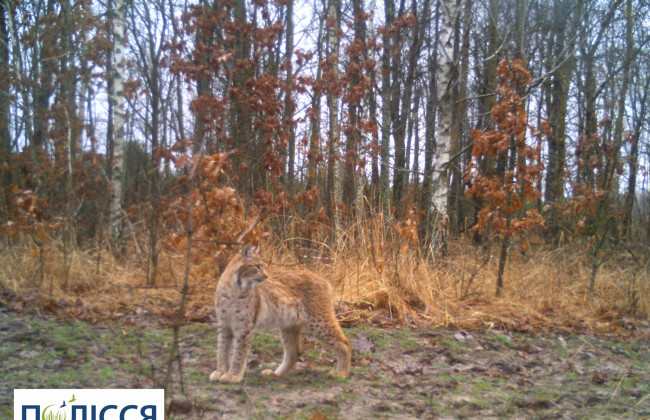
{"x":249,"y":298}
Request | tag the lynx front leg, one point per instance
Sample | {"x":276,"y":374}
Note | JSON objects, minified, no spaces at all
{"x":291,"y":344}
{"x":241,"y":344}
{"x":224,"y":346}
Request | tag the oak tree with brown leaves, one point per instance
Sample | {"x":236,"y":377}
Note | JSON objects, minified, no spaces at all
{"x":509,"y":193}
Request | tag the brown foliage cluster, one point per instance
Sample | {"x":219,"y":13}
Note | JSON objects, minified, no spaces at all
{"x":40,"y":200}
{"x":216,"y":211}
{"x":599,"y":164}
{"x":252,"y":97}
{"x":507,"y":191}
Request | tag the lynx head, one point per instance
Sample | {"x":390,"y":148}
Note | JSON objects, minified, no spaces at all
{"x":246,"y":268}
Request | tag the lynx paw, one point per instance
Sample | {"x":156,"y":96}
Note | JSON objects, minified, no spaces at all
{"x":270,"y":373}
{"x":216,"y":376}
{"x":227,"y":378}
{"x":337,"y":374}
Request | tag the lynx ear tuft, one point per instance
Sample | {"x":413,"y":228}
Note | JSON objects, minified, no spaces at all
{"x":246,"y":252}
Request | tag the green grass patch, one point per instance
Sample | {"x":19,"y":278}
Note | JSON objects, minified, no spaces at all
{"x":378,"y":338}
{"x":266,"y":342}
{"x":503,"y":340}
{"x":406,"y":340}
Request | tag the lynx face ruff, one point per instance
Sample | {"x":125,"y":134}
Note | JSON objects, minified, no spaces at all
{"x":248,"y":298}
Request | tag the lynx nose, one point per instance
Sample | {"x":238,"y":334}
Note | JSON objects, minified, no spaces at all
{"x":261,"y":276}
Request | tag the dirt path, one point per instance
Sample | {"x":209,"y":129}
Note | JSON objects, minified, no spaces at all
{"x":397,"y":373}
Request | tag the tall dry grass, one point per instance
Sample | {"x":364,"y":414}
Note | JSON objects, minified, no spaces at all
{"x":378,"y":275}
{"x":375,"y":267}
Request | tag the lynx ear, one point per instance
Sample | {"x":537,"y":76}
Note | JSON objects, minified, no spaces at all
{"x":250,"y":251}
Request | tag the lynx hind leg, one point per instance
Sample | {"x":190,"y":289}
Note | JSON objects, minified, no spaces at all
{"x":334,"y":339}
{"x":291,"y":345}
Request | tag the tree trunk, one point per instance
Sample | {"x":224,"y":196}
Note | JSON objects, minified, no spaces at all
{"x":503,"y":258}
{"x":353,"y":132}
{"x":590,"y":120}
{"x":400,"y":176}
{"x":154,"y":84}
{"x":119,"y":120}
{"x":289,"y":105}
{"x":592,"y":278}
{"x":5,"y":139}
{"x":315,"y":120}
{"x":19,"y":64}
{"x":333,"y":163}
{"x":589,"y":45}
{"x":426,"y":228}
{"x":386,"y":90}
{"x":202,"y":86}
{"x":414,"y":130}
{"x":633,"y":160}
{"x":372,"y":109}
{"x":110,"y":124}
{"x":44,"y":88}
{"x":459,"y":107}
{"x":440,"y":178}
{"x":314,"y":139}
{"x":634,"y":139}
{"x":5,"y":136}
{"x":625,"y":80}
{"x":487,"y":100}
{"x":557,"y":109}
{"x":240,"y":116}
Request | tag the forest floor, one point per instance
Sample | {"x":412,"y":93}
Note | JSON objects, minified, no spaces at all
{"x":397,"y":373}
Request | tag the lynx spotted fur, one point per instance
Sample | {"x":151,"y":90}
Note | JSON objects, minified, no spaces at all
{"x":249,"y":298}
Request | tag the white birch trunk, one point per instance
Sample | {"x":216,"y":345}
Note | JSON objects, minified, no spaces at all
{"x":119,"y":119}
{"x":333,"y":104}
{"x":440,"y":177}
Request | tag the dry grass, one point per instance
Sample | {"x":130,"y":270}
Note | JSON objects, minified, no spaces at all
{"x":378,"y":276}
{"x":545,"y":288}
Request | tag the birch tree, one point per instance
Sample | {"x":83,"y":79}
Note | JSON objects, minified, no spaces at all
{"x":118,"y":101}
{"x":445,"y":78}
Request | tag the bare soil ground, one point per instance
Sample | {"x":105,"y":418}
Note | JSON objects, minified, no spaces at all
{"x":398,"y":373}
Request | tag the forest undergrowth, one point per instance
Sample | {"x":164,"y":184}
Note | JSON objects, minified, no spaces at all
{"x":378,"y":278}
